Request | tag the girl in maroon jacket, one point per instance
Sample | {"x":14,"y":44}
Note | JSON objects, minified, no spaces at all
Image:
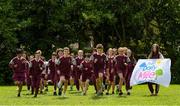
{"x":99,"y":61}
{"x":36,"y":69}
{"x":155,"y":54}
{"x":26,"y":64}
{"x":51,"y":67}
{"x":66,"y":65}
{"x":130,"y":67}
{"x":120,"y":64}
{"x":86,"y":67}
{"x":110,"y":71}
{"x":78,"y":71}
{"x":18,"y":67}
{"x":59,"y":54}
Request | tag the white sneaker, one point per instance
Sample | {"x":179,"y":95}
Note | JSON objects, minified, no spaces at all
{"x":58,"y":85}
{"x":63,"y":95}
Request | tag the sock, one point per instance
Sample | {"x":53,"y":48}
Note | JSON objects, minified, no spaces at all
{"x":59,"y":85}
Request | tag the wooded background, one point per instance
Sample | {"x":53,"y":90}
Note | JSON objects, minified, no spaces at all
{"x":48,"y":24}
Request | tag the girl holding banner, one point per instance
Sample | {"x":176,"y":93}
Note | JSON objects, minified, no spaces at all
{"x":155,"y":54}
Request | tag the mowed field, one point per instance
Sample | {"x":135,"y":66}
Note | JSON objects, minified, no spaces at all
{"x":139,"y":96}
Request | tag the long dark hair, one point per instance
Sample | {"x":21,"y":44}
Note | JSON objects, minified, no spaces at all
{"x":154,"y":53}
{"x":132,"y":57}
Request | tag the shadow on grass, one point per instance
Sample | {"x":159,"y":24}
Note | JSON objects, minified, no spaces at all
{"x":75,"y":92}
{"x":94,"y":97}
{"x":62,"y":98}
{"x":123,"y":96}
{"x":152,"y":96}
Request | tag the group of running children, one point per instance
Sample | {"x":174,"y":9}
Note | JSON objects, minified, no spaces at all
{"x":63,"y":69}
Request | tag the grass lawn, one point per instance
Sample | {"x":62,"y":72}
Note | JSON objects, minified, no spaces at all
{"x":140,"y":96}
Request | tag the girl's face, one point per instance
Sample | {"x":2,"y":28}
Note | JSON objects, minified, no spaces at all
{"x":66,"y":52}
{"x":115,"y":51}
{"x":154,"y":49}
{"x":37,"y":56}
{"x":125,"y":50}
{"x":100,"y":51}
{"x":87,"y":59}
{"x":60,"y":53}
{"x":120,"y":51}
{"x":24,"y":55}
{"x":53,"y":57}
{"x":110,"y":52}
{"x":80,"y":53}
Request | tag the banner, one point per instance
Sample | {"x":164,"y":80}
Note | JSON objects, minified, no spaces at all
{"x":152,"y":70}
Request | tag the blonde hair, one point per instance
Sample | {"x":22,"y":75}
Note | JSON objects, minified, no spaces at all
{"x":80,"y":51}
{"x":66,"y":48}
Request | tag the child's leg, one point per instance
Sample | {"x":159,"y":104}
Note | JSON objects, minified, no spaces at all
{"x":80,"y":82}
{"x":86,"y":85}
{"x":83,"y":85}
{"x":113,"y":86}
{"x":20,"y":87}
{"x":127,"y":82}
{"x":41,"y":85}
{"x":32,"y":85}
{"x":109,"y":87}
{"x":71,"y":83}
{"x":28,"y":82}
{"x":60,"y":84}
{"x":77,"y":82}
{"x":100,"y":82}
{"x":97,"y":84}
{"x":150,"y":86}
{"x":65,"y":87}
{"x":94,"y":83}
{"x":17,"y":83}
{"x":156,"y":89}
{"x":61,"y":81}
{"x":55,"y":87}
{"x":121,"y":80}
{"x":37,"y":85}
{"x":128,"y":87}
{"x":46,"y":84}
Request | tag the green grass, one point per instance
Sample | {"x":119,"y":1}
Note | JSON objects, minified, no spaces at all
{"x":140,"y":96}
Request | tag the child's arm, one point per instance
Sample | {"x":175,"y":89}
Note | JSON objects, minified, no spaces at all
{"x":30,"y":69}
{"x":127,"y":61}
{"x":12,"y":65}
{"x":73,"y":63}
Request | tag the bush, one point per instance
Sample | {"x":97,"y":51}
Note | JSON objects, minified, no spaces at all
{"x":175,"y":73}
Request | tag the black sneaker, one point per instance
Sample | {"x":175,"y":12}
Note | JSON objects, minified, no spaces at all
{"x":54,"y":93}
{"x":46,"y":89}
{"x":117,"y":90}
{"x":101,"y":94}
{"x":60,"y":92}
{"x":98,"y":94}
{"x":35,"y":95}
{"x":84,"y":93}
{"x":18,"y":95}
{"x":107,"y":93}
{"x":41,"y":92}
{"x":120,"y":93}
{"x":128,"y":93}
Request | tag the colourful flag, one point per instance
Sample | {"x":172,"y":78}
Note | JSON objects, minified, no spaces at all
{"x":152,"y":70}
